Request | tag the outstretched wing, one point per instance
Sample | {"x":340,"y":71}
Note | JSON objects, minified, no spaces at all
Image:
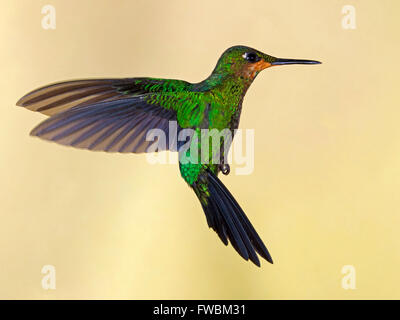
{"x":57,"y":97}
{"x":112,"y":114}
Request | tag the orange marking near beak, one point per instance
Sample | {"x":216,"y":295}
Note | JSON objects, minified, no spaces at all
{"x":254,"y":68}
{"x":261,"y":65}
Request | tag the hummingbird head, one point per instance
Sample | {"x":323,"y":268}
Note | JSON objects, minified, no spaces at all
{"x":245,"y":62}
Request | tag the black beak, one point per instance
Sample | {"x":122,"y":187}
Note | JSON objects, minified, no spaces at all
{"x":279,"y":61}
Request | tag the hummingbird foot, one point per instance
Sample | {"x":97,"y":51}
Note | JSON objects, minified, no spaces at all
{"x":225,"y":168}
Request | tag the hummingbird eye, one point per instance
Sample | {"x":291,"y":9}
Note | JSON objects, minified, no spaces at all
{"x":251,"y":57}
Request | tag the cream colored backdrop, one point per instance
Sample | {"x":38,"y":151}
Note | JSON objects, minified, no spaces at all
{"x":324,"y":193}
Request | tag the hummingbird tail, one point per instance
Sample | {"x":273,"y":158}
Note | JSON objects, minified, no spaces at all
{"x":227,"y":219}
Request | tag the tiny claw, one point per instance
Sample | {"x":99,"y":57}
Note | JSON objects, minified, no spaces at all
{"x":225,"y":168}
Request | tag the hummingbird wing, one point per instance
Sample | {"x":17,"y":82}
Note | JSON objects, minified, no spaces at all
{"x":109,"y":114}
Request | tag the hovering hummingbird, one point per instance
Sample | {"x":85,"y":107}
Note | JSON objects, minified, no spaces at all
{"x":114,"y":115}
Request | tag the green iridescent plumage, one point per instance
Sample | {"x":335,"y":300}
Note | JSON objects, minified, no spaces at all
{"x":115,"y":115}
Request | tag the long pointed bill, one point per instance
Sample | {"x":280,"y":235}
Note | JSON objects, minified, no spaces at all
{"x":280,"y":61}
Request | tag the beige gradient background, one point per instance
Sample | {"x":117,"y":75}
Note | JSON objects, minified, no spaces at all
{"x":324,"y":192}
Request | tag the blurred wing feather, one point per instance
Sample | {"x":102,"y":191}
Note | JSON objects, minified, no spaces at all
{"x":112,"y":115}
{"x":112,"y":126}
{"x":57,"y":97}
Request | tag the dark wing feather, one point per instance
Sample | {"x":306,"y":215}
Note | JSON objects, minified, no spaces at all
{"x":57,"y":97}
{"x":112,"y":126}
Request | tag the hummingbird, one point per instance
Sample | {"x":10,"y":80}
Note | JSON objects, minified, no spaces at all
{"x":115,"y":115}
